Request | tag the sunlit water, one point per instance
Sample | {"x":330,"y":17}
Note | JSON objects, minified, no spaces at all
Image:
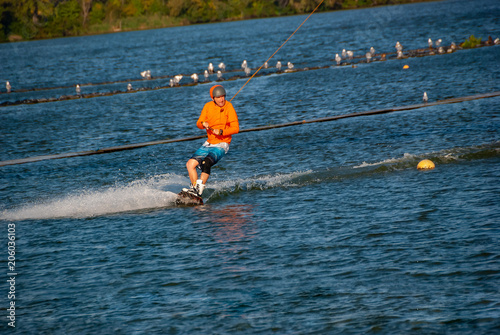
{"x":318,"y":228}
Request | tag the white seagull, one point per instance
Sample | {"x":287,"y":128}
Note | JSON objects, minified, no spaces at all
{"x":372,"y":51}
{"x":438,"y":42}
{"x":146,"y":74}
{"x":8,"y":87}
{"x":194,"y":76}
{"x":78,"y":90}
{"x":177,"y":79}
{"x":350,"y":54}
{"x":244,"y":65}
{"x":206,"y":74}
{"x":290,"y":65}
{"x":129,"y":87}
{"x":210,"y":68}
{"x":429,"y":41}
{"x":368,"y":57}
{"x":247,"y":71}
{"x":278,"y":65}
{"x":219,"y":74}
{"x":338,"y":59}
{"x":425,"y":98}
{"x":222,"y":66}
{"x":344,"y":53}
{"x":266,"y":65}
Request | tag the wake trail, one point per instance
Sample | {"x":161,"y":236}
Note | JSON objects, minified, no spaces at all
{"x":160,"y":191}
{"x":145,"y":194}
{"x":137,"y":195}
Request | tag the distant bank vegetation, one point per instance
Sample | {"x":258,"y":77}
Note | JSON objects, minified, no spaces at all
{"x":39,"y":19}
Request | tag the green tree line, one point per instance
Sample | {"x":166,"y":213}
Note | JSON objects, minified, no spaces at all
{"x":39,"y":19}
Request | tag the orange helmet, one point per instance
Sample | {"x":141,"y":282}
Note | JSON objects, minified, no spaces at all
{"x":217,"y":91}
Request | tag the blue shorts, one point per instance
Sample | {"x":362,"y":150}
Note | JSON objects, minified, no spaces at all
{"x":215,"y":153}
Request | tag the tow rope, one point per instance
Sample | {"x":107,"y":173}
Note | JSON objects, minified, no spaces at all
{"x":253,"y":75}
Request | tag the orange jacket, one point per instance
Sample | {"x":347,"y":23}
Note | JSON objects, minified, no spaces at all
{"x":224,"y":118}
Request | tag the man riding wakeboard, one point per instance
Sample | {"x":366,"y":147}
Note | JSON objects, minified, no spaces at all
{"x":219,"y":119}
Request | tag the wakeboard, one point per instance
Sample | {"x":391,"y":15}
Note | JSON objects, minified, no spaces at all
{"x":188,"y":199}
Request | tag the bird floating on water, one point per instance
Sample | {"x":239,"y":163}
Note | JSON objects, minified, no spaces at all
{"x":210,"y":68}
{"x":172,"y":83}
{"x":290,"y":65}
{"x":194,"y":76}
{"x":338,"y":59}
{"x":206,"y":74}
{"x":8,"y":87}
{"x":247,"y":71}
{"x":177,"y":79}
{"x":425,"y":98}
{"x":146,"y":74}
{"x":129,"y":87}
{"x":368,"y":57}
{"x":77,"y":89}
{"x":350,"y":54}
{"x":219,"y":74}
{"x":222,"y":66}
{"x":344,"y":54}
{"x":278,"y":65}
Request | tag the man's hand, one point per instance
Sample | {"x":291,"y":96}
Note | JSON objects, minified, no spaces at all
{"x":216,"y":131}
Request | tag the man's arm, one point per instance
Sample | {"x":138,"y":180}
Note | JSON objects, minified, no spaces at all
{"x":232,"y":125}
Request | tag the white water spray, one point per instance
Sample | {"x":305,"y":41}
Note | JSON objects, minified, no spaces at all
{"x":137,"y":195}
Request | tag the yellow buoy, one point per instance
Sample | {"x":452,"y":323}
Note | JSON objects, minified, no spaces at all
{"x":406,"y":67}
{"x":426,"y":165}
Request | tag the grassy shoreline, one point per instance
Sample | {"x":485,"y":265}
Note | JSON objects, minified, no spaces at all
{"x":158,"y":21}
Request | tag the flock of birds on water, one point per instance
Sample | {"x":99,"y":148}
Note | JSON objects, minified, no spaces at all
{"x":345,"y":56}
{"x":209,"y":71}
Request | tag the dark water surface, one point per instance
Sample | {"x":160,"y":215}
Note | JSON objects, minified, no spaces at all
{"x":321,"y":228}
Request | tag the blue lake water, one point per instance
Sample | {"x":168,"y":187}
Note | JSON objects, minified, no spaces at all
{"x":320,"y":228}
